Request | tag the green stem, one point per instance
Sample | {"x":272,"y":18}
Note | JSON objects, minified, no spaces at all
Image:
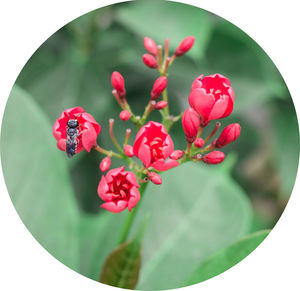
{"x":130,"y":218}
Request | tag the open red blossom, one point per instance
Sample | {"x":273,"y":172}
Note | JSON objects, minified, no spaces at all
{"x":212,"y":97}
{"x":119,"y":190}
{"x":153,"y":145}
{"x":88,"y":129}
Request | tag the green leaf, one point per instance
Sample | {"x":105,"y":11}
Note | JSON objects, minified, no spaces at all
{"x":151,"y":18}
{"x":98,"y":237}
{"x":37,"y":178}
{"x":227,"y":258}
{"x":197,"y":211}
{"x":122,"y":267}
{"x":286,"y":146}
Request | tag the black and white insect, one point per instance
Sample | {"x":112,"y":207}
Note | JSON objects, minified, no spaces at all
{"x":72,"y":135}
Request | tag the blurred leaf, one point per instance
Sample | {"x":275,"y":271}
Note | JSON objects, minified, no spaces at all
{"x":150,"y":18}
{"x":122,"y":267}
{"x":195,"y":212}
{"x":69,"y":85}
{"x":227,"y":258}
{"x":98,"y":237}
{"x":286,"y":146}
{"x":37,"y":178}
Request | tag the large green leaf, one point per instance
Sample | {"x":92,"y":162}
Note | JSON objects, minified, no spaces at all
{"x":195,"y":212}
{"x":227,"y":258}
{"x":37,"y":178}
{"x":164,"y":19}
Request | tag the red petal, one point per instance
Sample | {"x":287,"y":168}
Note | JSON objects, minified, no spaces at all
{"x":89,"y":136}
{"x":61,"y":144}
{"x":103,"y":189}
{"x":115,"y":207}
{"x":144,"y":153}
{"x":161,"y":165}
{"x":202,"y":102}
{"x":219,"y":108}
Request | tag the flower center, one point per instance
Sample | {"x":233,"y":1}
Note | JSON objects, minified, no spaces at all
{"x":120,"y":187}
{"x":156,"y":148}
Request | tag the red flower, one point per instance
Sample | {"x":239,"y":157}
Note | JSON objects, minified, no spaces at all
{"x":176,"y":155}
{"x":150,"y":61}
{"x":150,"y":46}
{"x":185,"y":46}
{"x":161,"y":105}
{"x":230,"y":133}
{"x":105,"y":164}
{"x":199,"y":142}
{"x":128,"y":150}
{"x":119,"y":190}
{"x":118,"y":83}
{"x":212,"y":97}
{"x":125,"y":115}
{"x":88,"y":129}
{"x":158,"y":87}
{"x":154,"y":178}
{"x":190,"y":123}
{"x":153,"y":145}
{"x":214,"y":157}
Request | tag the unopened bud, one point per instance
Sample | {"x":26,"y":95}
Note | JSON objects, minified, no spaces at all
{"x":105,"y":164}
{"x":118,"y":83}
{"x":185,"y":46}
{"x":230,"y":133}
{"x":150,"y":61}
{"x":214,"y":157}
{"x":128,"y":150}
{"x":125,"y":115}
{"x":161,"y":105}
{"x":190,"y":124}
{"x":199,"y":142}
{"x":158,"y":87}
{"x":176,"y":155}
{"x":154,"y":178}
{"x":150,"y":46}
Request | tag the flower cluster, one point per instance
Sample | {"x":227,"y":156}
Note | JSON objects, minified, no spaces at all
{"x":211,"y":98}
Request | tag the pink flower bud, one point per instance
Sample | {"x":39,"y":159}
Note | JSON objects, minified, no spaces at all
{"x":118,"y":83}
{"x":128,"y":150}
{"x":214,"y":157}
{"x":176,"y":155}
{"x":199,"y":142}
{"x":125,"y":115}
{"x":228,"y":135}
{"x":150,"y":61}
{"x":154,"y":178}
{"x":161,"y":105}
{"x":158,"y":87}
{"x":105,"y":164}
{"x":185,"y":46}
{"x":150,"y":46}
{"x":190,"y":123}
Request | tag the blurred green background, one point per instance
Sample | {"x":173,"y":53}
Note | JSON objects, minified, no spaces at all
{"x":198,"y":210}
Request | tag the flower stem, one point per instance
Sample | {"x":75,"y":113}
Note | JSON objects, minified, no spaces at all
{"x":105,"y":152}
{"x":130,"y":218}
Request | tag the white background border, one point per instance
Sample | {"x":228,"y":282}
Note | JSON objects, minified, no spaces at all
{"x":25,"y":25}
